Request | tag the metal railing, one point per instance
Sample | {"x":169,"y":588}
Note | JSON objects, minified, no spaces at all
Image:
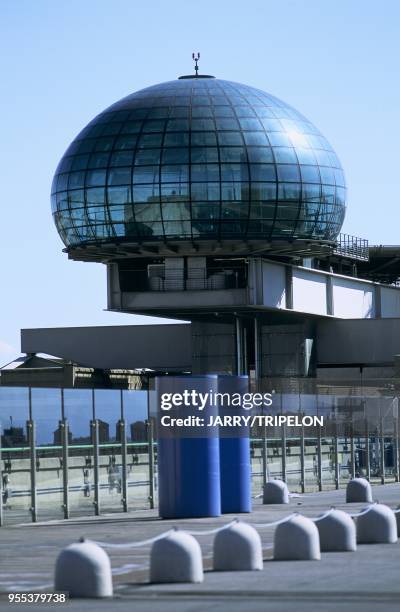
{"x":56,"y":472}
{"x":352,"y":247}
{"x":64,"y":480}
{"x":41,"y":483}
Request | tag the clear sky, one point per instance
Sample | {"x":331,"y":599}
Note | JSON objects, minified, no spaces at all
{"x":62,"y":62}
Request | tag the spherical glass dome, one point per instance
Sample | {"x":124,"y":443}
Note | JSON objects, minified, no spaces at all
{"x":198,"y":159}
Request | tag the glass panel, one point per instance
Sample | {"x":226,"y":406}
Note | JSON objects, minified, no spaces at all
{"x":175,"y":156}
{"x":204,"y":138}
{"x":147,"y":156}
{"x":234,"y":172}
{"x":256,"y":138}
{"x":146,"y":174}
{"x":230,"y":138}
{"x":14,"y":412}
{"x":310,"y":174}
{"x":288,"y":173}
{"x":98,"y":160}
{"x":94,"y":178}
{"x":285,"y":155}
{"x":260,"y":154}
{"x":205,"y":172}
{"x":79,"y":412}
{"x":262,"y":172}
{"x":136,"y":414}
{"x":149,"y":141}
{"x":119,"y":176}
{"x":46,"y":413}
{"x":107,"y":410}
{"x":174,"y":139}
{"x":205,"y":191}
{"x":172,"y":174}
{"x":204,"y":154}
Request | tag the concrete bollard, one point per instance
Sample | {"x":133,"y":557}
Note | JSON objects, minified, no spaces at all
{"x":397,"y":514}
{"x":176,"y":558}
{"x":377,"y":526}
{"x":237,"y":547}
{"x":358,"y":490}
{"x":84,"y":570}
{"x":297,"y":538}
{"x":337,"y":531}
{"x":276,"y":492}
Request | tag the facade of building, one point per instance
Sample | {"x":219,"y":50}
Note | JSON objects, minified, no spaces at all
{"x":216,"y":203}
{"x":36,"y":370}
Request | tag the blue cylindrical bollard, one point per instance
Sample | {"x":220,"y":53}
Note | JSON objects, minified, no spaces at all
{"x":189,"y":477}
{"x":235,"y":475}
{"x":234,"y":451}
{"x":188,"y":457}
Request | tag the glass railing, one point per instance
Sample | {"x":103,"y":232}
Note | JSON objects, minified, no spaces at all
{"x":69,"y":453}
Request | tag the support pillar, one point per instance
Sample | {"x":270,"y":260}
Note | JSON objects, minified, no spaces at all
{"x":382,"y":451}
{"x":302,"y":461}
{"x":64,"y":441}
{"x":32,"y":455}
{"x":124,"y":463}
{"x":337,"y":473}
{"x":96,"y":459}
{"x":284,"y":453}
{"x":319,"y":458}
{"x":258,"y":375}
{"x":396,"y":447}
{"x":150,"y":449}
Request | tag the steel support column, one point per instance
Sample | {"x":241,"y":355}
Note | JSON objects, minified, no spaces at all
{"x":396,"y":448}
{"x":96,"y":459}
{"x":319,"y":459}
{"x":65,"y":441}
{"x":150,"y":446}
{"x":337,"y":473}
{"x":284,"y":475}
{"x":352,"y":455}
{"x":302,"y":461}
{"x":124,"y":461}
{"x":32,"y":456}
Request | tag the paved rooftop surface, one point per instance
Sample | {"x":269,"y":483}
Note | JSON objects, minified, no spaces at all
{"x":366,"y":580}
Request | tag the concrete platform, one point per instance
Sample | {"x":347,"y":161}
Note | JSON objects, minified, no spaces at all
{"x":366,"y":580}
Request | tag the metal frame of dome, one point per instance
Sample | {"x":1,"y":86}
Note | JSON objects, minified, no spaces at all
{"x":198,"y":165}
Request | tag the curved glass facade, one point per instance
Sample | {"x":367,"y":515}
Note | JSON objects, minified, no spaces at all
{"x":198,"y":158}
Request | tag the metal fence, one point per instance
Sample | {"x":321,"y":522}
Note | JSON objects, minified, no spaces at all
{"x":71,"y":452}
{"x":352,"y":247}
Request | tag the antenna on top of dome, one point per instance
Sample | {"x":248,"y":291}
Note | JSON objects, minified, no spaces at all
{"x":196,"y":57}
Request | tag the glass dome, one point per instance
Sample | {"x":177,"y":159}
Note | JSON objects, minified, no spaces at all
{"x":198,"y":159}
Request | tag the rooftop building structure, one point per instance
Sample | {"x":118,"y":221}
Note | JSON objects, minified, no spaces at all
{"x":217,"y":203}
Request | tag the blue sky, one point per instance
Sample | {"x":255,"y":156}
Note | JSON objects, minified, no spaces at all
{"x":336,"y":61}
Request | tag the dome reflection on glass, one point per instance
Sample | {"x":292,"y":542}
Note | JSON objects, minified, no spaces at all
{"x":198,"y":159}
